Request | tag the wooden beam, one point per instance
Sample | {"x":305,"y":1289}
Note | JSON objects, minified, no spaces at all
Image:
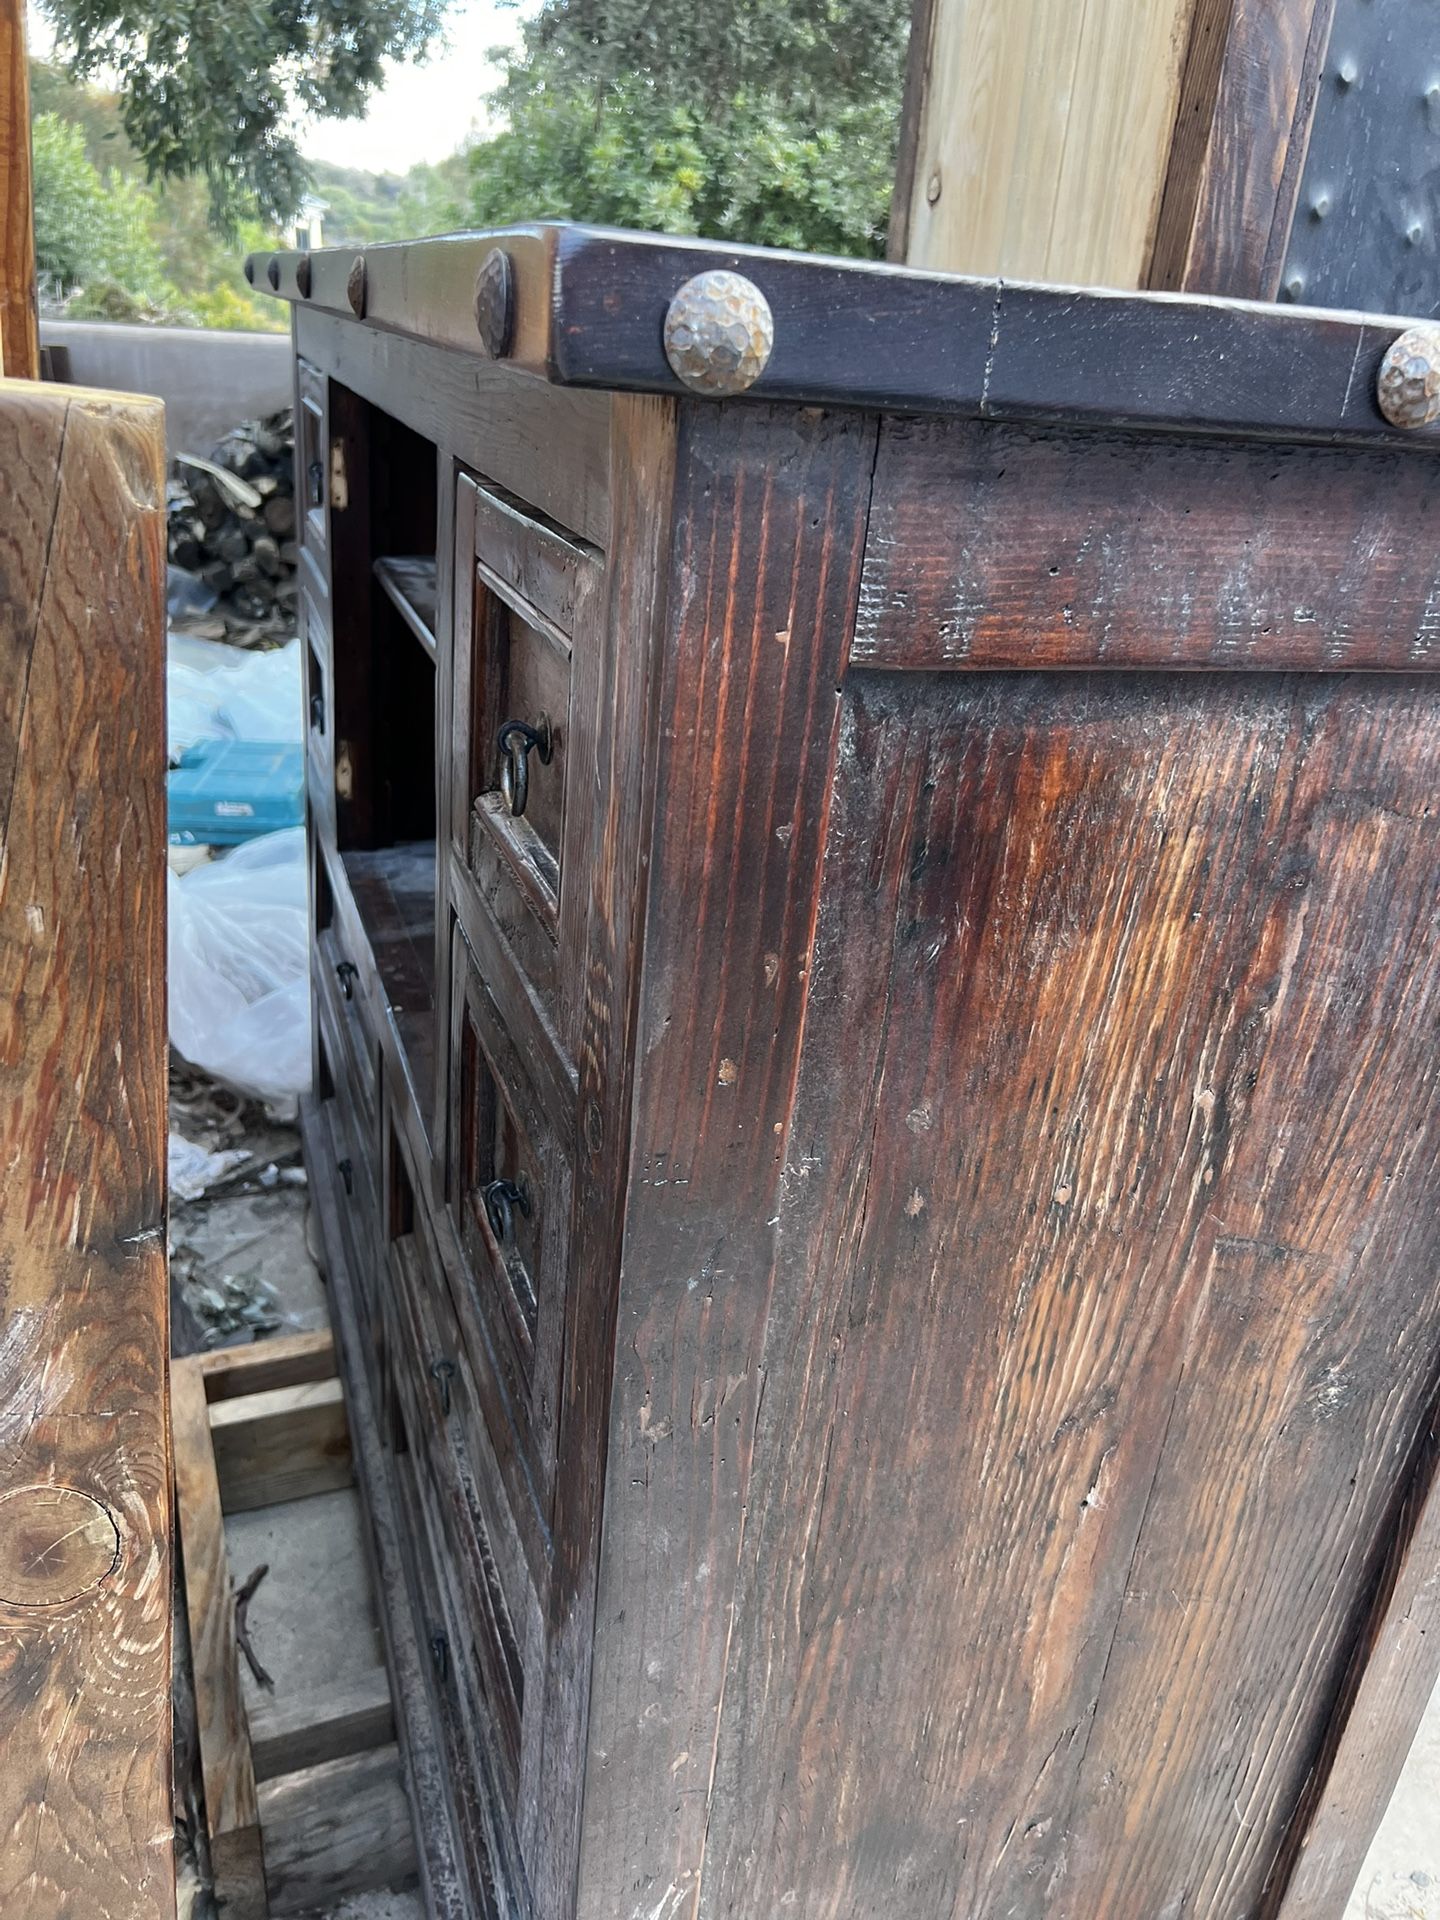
{"x":19,"y":320}
{"x":1394,"y":1669}
{"x":230,"y":1806}
{"x":331,"y":1723}
{"x":284,"y":1444}
{"x":1037,"y":137}
{"x":289,"y":1361}
{"x":343,"y":1827}
{"x":85,"y":1502}
{"x":1126,"y":143}
{"x":1248,"y":95}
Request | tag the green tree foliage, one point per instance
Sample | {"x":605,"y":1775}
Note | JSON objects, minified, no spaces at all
{"x":211,"y":88}
{"x":111,"y":247}
{"x":770,"y":121}
{"x":93,"y":248}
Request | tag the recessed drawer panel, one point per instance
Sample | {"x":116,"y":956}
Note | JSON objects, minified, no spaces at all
{"x":524,"y":596}
{"x":510,"y":1189}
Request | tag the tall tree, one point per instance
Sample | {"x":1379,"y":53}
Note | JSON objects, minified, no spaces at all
{"x":771,"y":121}
{"x":213,"y":87}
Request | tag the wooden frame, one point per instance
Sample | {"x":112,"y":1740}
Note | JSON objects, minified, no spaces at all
{"x":19,"y":319}
{"x":300,"y":1794}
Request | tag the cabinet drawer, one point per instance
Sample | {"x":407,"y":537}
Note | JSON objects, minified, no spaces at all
{"x":339,"y":981}
{"x":524,"y":594}
{"x":510,"y":1186}
{"x":312,"y":477}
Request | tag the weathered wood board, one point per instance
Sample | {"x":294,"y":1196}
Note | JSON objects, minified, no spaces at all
{"x":85,"y":1527}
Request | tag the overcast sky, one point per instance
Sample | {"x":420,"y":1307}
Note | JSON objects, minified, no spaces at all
{"x":425,"y":112}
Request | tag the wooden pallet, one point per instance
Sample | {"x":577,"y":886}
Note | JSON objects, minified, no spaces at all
{"x":302,"y":1794}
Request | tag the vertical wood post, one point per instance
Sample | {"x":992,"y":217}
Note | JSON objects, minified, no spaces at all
{"x":86,"y":1819}
{"x":19,"y":323}
{"x":1128,"y":143}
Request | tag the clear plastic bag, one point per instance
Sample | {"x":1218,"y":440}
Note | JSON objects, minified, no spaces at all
{"x":218,"y":692}
{"x":239,"y":969}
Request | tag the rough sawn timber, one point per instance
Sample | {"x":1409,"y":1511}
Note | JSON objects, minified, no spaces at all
{"x":85,"y":1528}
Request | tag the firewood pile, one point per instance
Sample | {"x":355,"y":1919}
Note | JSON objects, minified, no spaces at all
{"x":233,"y":529}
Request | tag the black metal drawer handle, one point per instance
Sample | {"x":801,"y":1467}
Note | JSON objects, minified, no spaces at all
{"x":347,"y":973}
{"x":317,"y":712}
{"x":346,"y":1171}
{"x":517,"y":741}
{"x":315,"y":480}
{"x":501,"y":1198}
{"x":442,"y":1372}
{"x":440,"y":1656}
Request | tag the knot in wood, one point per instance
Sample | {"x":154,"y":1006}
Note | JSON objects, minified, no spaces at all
{"x":719,"y":331}
{"x":56,"y":1544}
{"x":495,"y":303}
{"x":1408,"y":388}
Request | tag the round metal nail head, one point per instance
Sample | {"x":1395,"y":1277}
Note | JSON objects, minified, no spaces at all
{"x":495,"y":303}
{"x":1408,"y":389}
{"x":272,"y":272}
{"x":302,"y":276}
{"x":719,"y":331}
{"x":355,"y":286}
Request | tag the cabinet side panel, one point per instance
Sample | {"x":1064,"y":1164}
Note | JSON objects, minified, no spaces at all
{"x":764,"y":573}
{"x":1106,"y":1319}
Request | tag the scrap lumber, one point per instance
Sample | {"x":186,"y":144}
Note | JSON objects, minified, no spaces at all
{"x":324,"y":1723}
{"x":85,"y":1528}
{"x":284,"y":1444}
{"x":344,"y":1824}
{"x":233,"y":1818}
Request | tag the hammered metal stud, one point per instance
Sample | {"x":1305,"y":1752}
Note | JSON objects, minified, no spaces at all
{"x":1408,"y":389}
{"x":272,"y":272}
{"x":495,"y":303}
{"x":302,"y":276}
{"x":250,"y":268}
{"x":719,"y":331}
{"x":355,"y":286}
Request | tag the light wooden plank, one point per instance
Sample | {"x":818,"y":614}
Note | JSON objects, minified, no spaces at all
{"x":284,"y":1444}
{"x":331,"y":1723}
{"x":1043,"y":136}
{"x":340,"y":1828}
{"x":230,"y":1806}
{"x":289,"y":1361}
{"x":1394,"y":1670}
{"x":19,"y":322}
{"x":85,"y":1499}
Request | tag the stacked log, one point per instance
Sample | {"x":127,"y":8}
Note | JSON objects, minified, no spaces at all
{"x":233,"y":526}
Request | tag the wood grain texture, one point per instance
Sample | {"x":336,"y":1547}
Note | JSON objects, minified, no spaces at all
{"x":19,"y":313}
{"x":1184,"y":555}
{"x":231,"y":1812}
{"x":1043,"y":140}
{"x":284,"y":1443}
{"x":1106,"y":1310}
{"x":85,"y":1811}
{"x":340,"y":1827}
{"x":769,"y":512}
{"x":1393,"y":1672}
{"x":285,"y":1360}
{"x":329,"y":1723}
{"x":1250,"y":84}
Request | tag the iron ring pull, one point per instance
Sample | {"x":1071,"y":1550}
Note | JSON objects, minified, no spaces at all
{"x":347,"y":973}
{"x":346,"y":1171}
{"x":501,"y":1198}
{"x":517,"y":741}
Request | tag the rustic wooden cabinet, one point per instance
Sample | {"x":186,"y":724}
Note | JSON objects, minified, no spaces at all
{"x":875,"y":1126}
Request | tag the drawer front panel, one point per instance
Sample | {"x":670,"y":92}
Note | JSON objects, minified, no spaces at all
{"x":510,"y":1185}
{"x":312,"y":476}
{"x":526,"y":600}
{"x":338,"y":980}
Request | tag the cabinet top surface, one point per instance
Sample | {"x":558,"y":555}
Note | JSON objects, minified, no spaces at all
{"x":596,"y":307}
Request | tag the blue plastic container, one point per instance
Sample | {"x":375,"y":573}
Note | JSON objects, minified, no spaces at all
{"x":226,"y":791}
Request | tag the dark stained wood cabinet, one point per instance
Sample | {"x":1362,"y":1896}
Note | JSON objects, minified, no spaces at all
{"x":875,"y":1127}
